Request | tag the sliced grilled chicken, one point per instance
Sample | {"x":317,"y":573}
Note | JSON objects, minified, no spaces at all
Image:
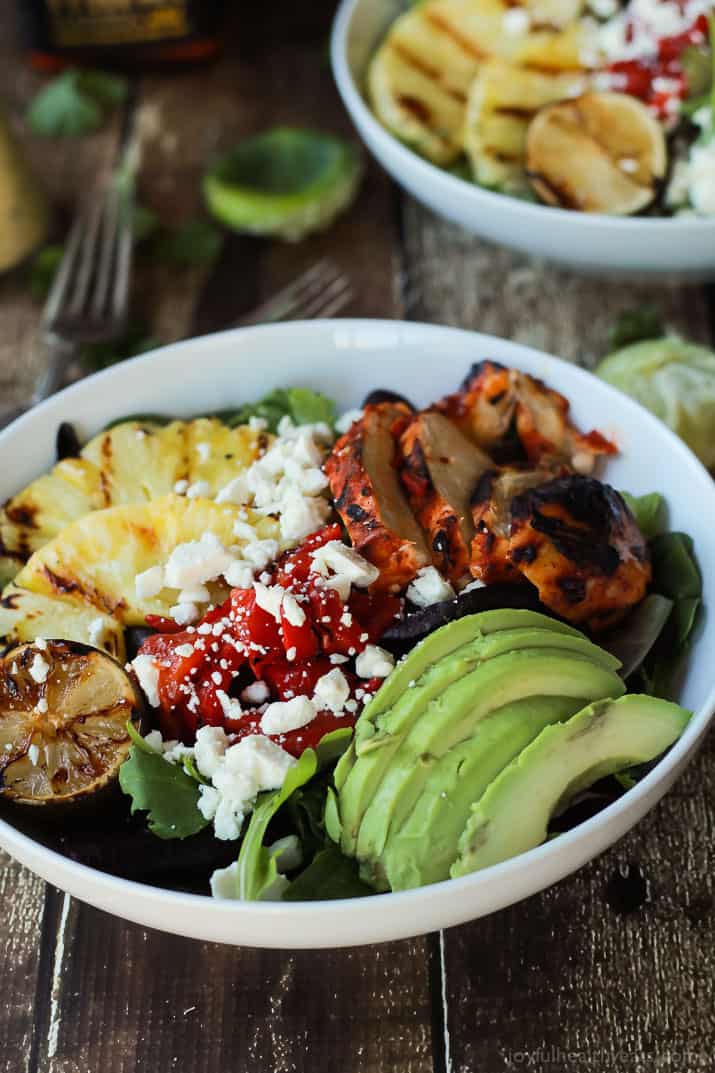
{"x":602,"y":152}
{"x":134,"y":462}
{"x":370,"y":500}
{"x":575,"y":539}
{"x":440,"y":468}
{"x":517,"y":418}
{"x":491,"y":514}
{"x":502,"y":102}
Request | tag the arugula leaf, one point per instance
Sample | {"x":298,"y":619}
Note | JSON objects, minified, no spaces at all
{"x":257,"y":867}
{"x":164,"y":790}
{"x":310,"y":407}
{"x":648,"y":511}
{"x":197,"y":242}
{"x":75,"y":103}
{"x":330,"y":875}
{"x":633,"y":639}
{"x":635,"y":325}
{"x":302,"y":405}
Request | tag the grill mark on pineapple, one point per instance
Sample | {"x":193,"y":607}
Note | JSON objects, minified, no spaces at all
{"x":561,"y":192}
{"x":146,"y":534}
{"x":443,"y":25}
{"x":106,"y":452}
{"x":23,"y":514}
{"x":433,"y":73}
{"x":68,"y":586}
{"x":515,"y":112}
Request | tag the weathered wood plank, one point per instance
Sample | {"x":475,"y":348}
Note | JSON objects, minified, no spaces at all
{"x":22,"y":900}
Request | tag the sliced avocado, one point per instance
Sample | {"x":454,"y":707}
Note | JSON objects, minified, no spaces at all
{"x":452,"y":718}
{"x":358,"y":777}
{"x":424,"y":847}
{"x":513,"y":814}
{"x":429,"y":652}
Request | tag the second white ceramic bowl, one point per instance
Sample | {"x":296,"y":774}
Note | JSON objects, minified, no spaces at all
{"x":677,"y":246}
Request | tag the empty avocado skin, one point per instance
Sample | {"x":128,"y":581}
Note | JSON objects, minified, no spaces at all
{"x":393,"y":712}
{"x":513,"y":814}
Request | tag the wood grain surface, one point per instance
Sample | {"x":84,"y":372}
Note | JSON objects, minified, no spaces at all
{"x":612,"y":969}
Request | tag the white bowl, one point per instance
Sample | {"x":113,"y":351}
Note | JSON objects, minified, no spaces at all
{"x":346,"y":359}
{"x":595,"y":243}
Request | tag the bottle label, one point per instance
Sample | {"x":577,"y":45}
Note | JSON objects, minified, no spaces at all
{"x":78,"y":23}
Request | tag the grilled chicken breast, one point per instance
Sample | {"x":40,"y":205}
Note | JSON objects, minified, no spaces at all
{"x":575,"y":539}
{"x":439,"y":469}
{"x":362,"y":470}
{"x":517,"y":418}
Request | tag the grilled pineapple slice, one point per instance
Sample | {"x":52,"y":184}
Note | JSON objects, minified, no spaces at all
{"x":502,"y":102}
{"x":420,"y":77}
{"x":134,"y":462}
{"x":25,"y":615}
{"x":603,"y":152}
{"x":95,"y":560}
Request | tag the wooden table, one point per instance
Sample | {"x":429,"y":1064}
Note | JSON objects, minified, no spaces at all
{"x":610,"y":970}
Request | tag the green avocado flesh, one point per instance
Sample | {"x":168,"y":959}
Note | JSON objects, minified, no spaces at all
{"x":482,"y":675}
{"x":512,"y":816}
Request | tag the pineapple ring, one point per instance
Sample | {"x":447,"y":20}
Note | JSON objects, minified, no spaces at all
{"x":77,"y":745}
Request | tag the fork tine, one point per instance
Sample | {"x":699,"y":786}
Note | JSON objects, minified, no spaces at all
{"x":333,"y":297}
{"x":107,"y":251}
{"x":302,"y":289}
{"x":60,"y":284}
{"x":90,"y":238}
{"x":125,"y":246}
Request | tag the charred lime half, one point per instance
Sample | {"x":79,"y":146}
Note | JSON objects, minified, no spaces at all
{"x":64,"y":709}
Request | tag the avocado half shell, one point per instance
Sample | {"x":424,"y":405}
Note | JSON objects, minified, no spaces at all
{"x":64,"y":709}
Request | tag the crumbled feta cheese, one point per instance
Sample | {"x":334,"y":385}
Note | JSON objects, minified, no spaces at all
{"x":260,"y":553}
{"x":374,"y":662}
{"x":41,"y":706}
{"x":239,"y":575}
{"x":183,"y":614}
{"x":244,"y":770}
{"x":236,"y":491}
{"x":284,"y":716}
{"x":257,"y":424}
{"x":197,"y":594}
{"x":147,"y":674}
{"x":210,"y":749}
{"x":185,"y":651}
{"x":300,"y":515}
{"x":216,"y":678}
{"x":291,"y":653}
{"x":149,"y":582}
{"x":196,"y":562}
{"x":331,"y":691}
{"x":343,"y":567}
{"x":269,"y":598}
{"x":224,"y":882}
{"x":203,"y":450}
{"x":33,"y":754}
{"x":336,"y":658}
{"x":154,"y":740}
{"x":198,"y":490}
{"x":229,"y":705}
{"x":39,"y":668}
{"x":180,"y":487}
{"x":516,"y":20}
{"x":346,"y":420}
{"x":41,"y":643}
{"x":256,"y":693}
{"x":429,"y":587}
{"x":291,"y":609}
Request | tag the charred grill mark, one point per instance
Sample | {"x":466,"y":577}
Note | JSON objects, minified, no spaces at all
{"x":440,"y":544}
{"x":501,"y":156}
{"x":483,"y":489}
{"x":432,"y":73}
{"x":524,"y":554}
{"x":10,"y":602}
{"x":344,"y":496}
{"x":23,"y":514}
{"x":69,"y":586}
{"x":573,"y":588}
{"x":417,"y":109}
{"x":561,"y":192}
{"x":105,"y":469}
{"x":515,"y":113}
{"x":442,"y":24}
{"x":479,"y":369}
{"x":357,"y":514}
{"x":365,"y":490}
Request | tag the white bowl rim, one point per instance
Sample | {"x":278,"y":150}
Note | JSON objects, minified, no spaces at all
{"x":343,"y":908}
{"x":451,"y":184}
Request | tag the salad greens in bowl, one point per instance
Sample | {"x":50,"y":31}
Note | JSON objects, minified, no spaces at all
{"x":312,"y":640}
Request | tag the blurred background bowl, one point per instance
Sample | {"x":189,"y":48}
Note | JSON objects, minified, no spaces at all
{"x":667,"y":246}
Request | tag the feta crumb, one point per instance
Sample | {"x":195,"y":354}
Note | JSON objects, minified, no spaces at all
{"x":196,"y":562}
{"x":41,"y":643}
{"x":147,"y":673}
{"x":429,"y":587}
{"x":351,"y":706}
{"x":149,"y":583}
{"x":255,"y":693}
{"x":301,"y":515}
{"x":343,"y":567}
{"x":183,"y":614}
{"x":269,"y":598}
{"x":180,"y":487}
{"x":41,"y":706}
{"x":239,"y":575}
{"x":284,"y":716}
{"x":242,"y":772}
{"x":291,"y":609}
{"x":197,"y":594}
{"x":257,"y":424}
{"x":230,"y":706}
{"x":516,"y":21}
{"x":260,"y":553}
{"x":374,"y":662}
{"x":346,"y":420}
{"x":33,"y":754}
{"x":39,"y":668}
{"x":198,"y":490}
{"x":154,"y":740}
{"x":184,"y":650}
{"x":203,"y":450}
{"x":224,"y":882}
{"x":236,"y":491}
{"x":216,"y":678}
{"x":210,"y":749}
{"x":336,"y":658}
{"x":473,"y":585}
{"x":331,"y":691}
{"x":291,"y":653}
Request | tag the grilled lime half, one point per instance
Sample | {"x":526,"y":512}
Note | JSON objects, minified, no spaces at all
{"x":285,"y":182}
{"x":64,"y":710}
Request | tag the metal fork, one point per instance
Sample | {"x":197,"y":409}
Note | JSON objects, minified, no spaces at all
{"x":89,"y":298}
{"x":322,"y":292}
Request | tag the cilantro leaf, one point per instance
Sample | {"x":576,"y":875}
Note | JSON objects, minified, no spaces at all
{"x":197,"y":242}
{"x":75,"y":103}
{"x":165,"y":791}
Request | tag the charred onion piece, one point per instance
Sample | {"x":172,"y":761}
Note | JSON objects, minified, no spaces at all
{"x":63,"y":721}
{"x":439,"y":469}
{"x":575,"y":539}
{"x":491,"y":514}
{"x":515,"y":417}
{"x":381,"y":394}
{"x":369,"y":498}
